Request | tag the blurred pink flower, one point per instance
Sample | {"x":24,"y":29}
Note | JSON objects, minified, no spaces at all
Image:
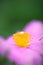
{"x":30,"y":54}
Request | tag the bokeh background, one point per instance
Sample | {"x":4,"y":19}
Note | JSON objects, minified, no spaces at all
{"x":14,"y":14}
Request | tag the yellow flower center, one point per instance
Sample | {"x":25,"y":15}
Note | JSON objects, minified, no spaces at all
{"x":22,"y":39}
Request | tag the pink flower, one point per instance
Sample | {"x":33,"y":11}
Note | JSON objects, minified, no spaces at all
{"x":25,"y":48}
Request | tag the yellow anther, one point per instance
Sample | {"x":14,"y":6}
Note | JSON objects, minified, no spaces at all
{"x":22,"y":39}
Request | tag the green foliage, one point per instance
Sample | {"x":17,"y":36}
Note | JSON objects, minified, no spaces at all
{"x":4,"y":61}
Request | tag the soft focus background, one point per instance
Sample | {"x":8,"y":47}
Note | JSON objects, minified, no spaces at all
{"x":15,"y":14}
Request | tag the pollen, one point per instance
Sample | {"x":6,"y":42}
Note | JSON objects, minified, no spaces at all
{"x":22,"y":39}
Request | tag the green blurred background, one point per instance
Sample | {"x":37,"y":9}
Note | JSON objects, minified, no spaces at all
{"x":16,"y":13}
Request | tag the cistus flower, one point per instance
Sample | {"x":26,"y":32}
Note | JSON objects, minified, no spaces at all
{"x":1,"y":43}
{"x":25,"y":47}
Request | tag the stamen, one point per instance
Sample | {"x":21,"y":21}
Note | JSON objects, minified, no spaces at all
{"x":22,"y":39}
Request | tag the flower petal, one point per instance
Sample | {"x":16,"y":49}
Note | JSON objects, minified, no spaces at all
{"x":7,"y":44}
{"x":34,"y":28}
{"x":23,"y":56}
{"x":37,"y":46}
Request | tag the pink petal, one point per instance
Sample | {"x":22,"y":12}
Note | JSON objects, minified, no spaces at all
{"x":23,"y":56}
{"x":34,"y":28}
{"x":7,"y":44}
{"x":37,"y":46}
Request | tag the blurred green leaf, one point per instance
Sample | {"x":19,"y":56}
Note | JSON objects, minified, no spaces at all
{"x":4,"y":61}
{"x":8,"y":63}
